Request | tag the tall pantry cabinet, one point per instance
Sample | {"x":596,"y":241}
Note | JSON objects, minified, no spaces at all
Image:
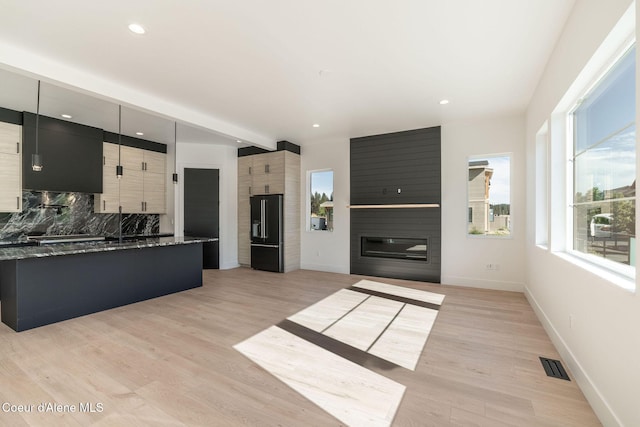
{"x":10,"y":167}
{"x":276,"y":172}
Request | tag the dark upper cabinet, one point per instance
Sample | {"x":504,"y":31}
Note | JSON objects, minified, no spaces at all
{"x":396,"y":168}
{"x":71,"y":156}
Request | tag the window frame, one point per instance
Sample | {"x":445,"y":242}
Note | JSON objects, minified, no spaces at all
{"x":309,"y":183}
{"x":627,"y":272}
{"x":475,"y":157}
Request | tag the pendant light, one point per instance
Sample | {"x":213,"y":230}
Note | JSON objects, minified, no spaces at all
{"x":119,"y":167}
{"x":175,"y":153}
{"x":36,"y":158}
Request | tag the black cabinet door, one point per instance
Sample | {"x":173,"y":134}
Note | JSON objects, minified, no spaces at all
{"x":71,"y":156}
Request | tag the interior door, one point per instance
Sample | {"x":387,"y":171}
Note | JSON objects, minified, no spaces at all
{"x":202,"y":209}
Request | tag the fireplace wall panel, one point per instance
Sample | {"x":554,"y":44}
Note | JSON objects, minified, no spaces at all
{"x":406,"y":161}
{"x":380,"y":165}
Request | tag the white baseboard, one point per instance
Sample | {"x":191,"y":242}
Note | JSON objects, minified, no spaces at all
{"x":598,"y":403}
{"x":496,"y":285}
{"x":327,"y":268}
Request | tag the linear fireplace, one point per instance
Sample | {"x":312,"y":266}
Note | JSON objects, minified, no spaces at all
{"x":395,"y":248}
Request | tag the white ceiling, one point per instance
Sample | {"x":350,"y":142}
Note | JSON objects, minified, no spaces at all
{"x":263,"y":71}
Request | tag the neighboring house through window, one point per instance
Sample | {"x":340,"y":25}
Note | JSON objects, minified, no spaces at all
{"x":489,"y":197}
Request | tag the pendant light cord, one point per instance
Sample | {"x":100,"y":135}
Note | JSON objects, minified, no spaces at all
{"x":175,"y":153}
{"x":119,"y":169}
{"x":37,"y":116}
{"x":119,"y":132}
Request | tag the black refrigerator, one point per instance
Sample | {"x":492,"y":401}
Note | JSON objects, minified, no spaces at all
{"x":267,"y":245}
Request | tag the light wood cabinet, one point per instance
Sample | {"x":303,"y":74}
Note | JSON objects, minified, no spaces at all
{"x":109,"y":200}
{"x":10,"y":167}
{"x":262,"y":173}
{"x":244,"y":210}
{"x":142,"y":188}
{"x":132,"y":191}
{"x":276,"y":172}
{"x":291,"y":183}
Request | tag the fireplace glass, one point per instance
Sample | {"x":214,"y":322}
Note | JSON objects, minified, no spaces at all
{"x":395,"y":248}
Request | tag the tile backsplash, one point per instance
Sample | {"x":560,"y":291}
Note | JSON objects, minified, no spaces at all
{"x":50,"y":213}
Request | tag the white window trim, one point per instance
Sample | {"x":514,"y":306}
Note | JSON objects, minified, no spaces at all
{"x":307,"y":226}
{"x":484,"y":157}
{"x":542,"y":190}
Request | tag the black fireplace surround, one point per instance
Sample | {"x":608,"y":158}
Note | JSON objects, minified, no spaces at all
{"x":392,"y":177}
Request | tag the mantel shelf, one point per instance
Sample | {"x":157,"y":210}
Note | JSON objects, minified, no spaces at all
{"x":396,"y":206}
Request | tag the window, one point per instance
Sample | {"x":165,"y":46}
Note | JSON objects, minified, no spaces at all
{"x":489,"y":195}
{"x":604,"y":167}
{"x":321,"y":200}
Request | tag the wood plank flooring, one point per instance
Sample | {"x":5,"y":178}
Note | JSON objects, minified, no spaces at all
{"x":170,"y":361}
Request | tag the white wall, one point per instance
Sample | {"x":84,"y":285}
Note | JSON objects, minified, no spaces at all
{"x":464,"y":257}
{"x":324,"y":250}
{"x":224,"y":158}
{"x":601,"y":343}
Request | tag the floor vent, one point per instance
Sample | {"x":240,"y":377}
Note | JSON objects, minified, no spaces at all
{"x":554,"y":368}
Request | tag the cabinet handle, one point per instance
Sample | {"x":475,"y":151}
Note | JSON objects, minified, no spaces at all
{"x":104,"y":160}
{"x":266,"y":168}
{"x":249,"y":190}
{"x":142,"y":206}
{"x":266,"y":188}
{"x":18,"y":147}
{"x":17,"y":202}
{"x":249,"y":170}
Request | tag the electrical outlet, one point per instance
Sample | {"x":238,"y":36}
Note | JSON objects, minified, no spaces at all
{"x":492,"y":267}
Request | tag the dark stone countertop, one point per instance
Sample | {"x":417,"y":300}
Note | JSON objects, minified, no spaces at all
{"x":25,"y":252}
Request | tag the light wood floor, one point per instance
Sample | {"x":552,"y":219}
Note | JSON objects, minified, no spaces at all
{"x":170,"y":361}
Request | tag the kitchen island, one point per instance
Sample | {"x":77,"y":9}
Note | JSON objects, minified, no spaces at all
{"x":40,"y":285}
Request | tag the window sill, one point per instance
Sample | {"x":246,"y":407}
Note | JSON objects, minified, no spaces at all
{"x":623,"y":281}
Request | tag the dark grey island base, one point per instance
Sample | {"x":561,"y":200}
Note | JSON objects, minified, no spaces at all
{"x":40,"y":286}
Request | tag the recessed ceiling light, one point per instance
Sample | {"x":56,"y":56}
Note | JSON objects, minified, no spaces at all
{"x":139,"y":133}
{"x":238,"y":141}
{"x":66,"y":116}
{"x":315,"y":125}
{"x":444,"y":102}
{"x":137,"y":28}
